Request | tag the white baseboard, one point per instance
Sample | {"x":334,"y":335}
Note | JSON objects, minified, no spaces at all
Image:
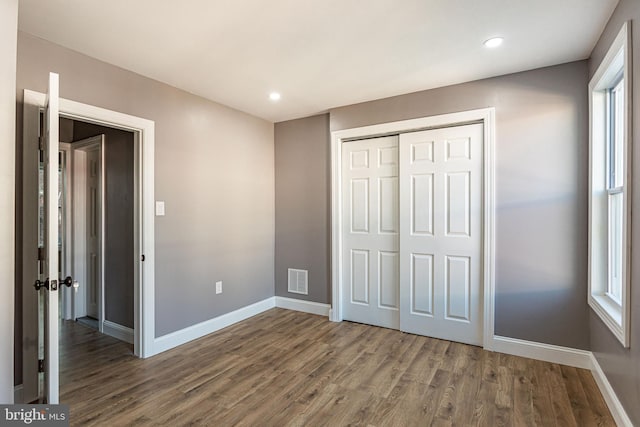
{"x":546,"y":352}
{"x":174,"y":339}
{"x":302,"y":305}
{"x":616,"y":408}
{"x":117,"y":331}
{"x":18,"y":395}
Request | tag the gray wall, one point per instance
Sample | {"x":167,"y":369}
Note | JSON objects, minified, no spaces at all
{"x":119,"y":236}
{"x":214,"y":168}
{"x":8,"y":29}
{"x":622,"y":366}
{"x":302,"y":204}
{"x":65,"y":132}
{"x":541,"y":184}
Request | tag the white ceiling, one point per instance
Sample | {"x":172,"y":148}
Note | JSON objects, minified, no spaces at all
{"x":318,"y":54}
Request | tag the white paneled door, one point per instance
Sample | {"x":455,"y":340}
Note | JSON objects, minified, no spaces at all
{"x":370,"y":237}
{"x":412,"y":232}
{"x":441,"y":233}
{"x":50,"y":222}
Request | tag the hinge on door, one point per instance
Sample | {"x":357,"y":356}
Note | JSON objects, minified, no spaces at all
{"x":41,"y":256}
{"x":40,"y":365}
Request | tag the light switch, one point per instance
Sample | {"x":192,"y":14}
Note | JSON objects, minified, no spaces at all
{"x":159,"y":208}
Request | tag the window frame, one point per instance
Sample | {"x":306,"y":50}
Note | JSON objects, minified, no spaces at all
{"x":605,"y":185}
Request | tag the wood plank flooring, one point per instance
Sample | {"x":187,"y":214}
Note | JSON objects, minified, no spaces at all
{"x":285,"y":368}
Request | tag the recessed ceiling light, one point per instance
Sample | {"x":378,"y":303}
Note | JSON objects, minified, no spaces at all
{"x":274,"y":96}
{"x":493,"y":42}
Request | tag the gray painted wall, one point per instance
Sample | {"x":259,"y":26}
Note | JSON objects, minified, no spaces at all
{"x":8,"y":30}
{"x":119,"y":236}
{"x":541,"y":191}
{"x":214,"y":168}
{"x":541,"y":184}
{"x":303,"y":192}
{"x":65,"y":132}
{"x":622,"y":366}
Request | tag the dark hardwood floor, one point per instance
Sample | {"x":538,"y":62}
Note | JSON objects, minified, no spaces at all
{"x":284,"y":368}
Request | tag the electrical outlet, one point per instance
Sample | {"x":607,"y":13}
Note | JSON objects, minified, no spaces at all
{"x":219,"y":287}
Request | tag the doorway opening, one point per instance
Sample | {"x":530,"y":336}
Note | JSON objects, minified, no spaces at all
{"x":142,"y":252}
{"x":98,"y":231}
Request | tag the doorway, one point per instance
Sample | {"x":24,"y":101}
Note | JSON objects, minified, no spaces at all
{"x":143,"y":225}
{"x":412,"y":221}
{"x":82,"y":227}
{"x":87,"y":222}
{"x":100,"y":205}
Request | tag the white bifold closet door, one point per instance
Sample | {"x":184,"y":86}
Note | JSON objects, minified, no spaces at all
{"x":412,"y":232}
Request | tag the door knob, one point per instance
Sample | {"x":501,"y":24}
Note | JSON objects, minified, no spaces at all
{"x":40,"y":284}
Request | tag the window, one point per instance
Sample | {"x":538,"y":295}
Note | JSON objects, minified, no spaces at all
{"x":615,"y":187}
{"x":609,"y":182}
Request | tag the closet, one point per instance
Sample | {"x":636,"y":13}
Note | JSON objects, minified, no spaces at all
{"x":412,"y":232}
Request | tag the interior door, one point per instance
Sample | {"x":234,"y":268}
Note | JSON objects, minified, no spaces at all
{"x":441,"y":233}
{"x":50,"y":147}
{"x":370,"y":231}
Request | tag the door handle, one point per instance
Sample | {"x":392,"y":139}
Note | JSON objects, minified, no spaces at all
{"x":53,"y":284}
{"x":40,"y":284}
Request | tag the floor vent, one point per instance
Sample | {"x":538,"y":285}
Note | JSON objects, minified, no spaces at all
{"x":298,"y":281}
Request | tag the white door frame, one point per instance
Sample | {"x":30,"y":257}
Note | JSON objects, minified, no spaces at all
{"x":80,"y":222}
{"x":144,"y":141}
{"x":484,"y":115}
{"x":66,"y":308}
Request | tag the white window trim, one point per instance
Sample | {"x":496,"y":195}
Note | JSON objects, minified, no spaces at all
{"x":615,"y":316}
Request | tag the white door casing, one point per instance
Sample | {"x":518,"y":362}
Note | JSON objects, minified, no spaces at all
{"x":487,"y":268}
{"x":79,"y":214}
{"x":441,"y":233}
{"x":87,"y":189}
{"x":93,"y":230}
{"x":370,"y":216}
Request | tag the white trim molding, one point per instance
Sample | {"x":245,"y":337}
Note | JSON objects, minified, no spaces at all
{"x":483,"y":115}
{"x":539,"y":351}
{"x":310,"y":307}
{"x":610,"y":397}
{"x":613,"y":311}
{"x":117,"y":331}
{"x":174,"y":339}
{"x":183,"y":336}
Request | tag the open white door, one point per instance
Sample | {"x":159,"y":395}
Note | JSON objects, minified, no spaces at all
{"x":51,"y":168}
